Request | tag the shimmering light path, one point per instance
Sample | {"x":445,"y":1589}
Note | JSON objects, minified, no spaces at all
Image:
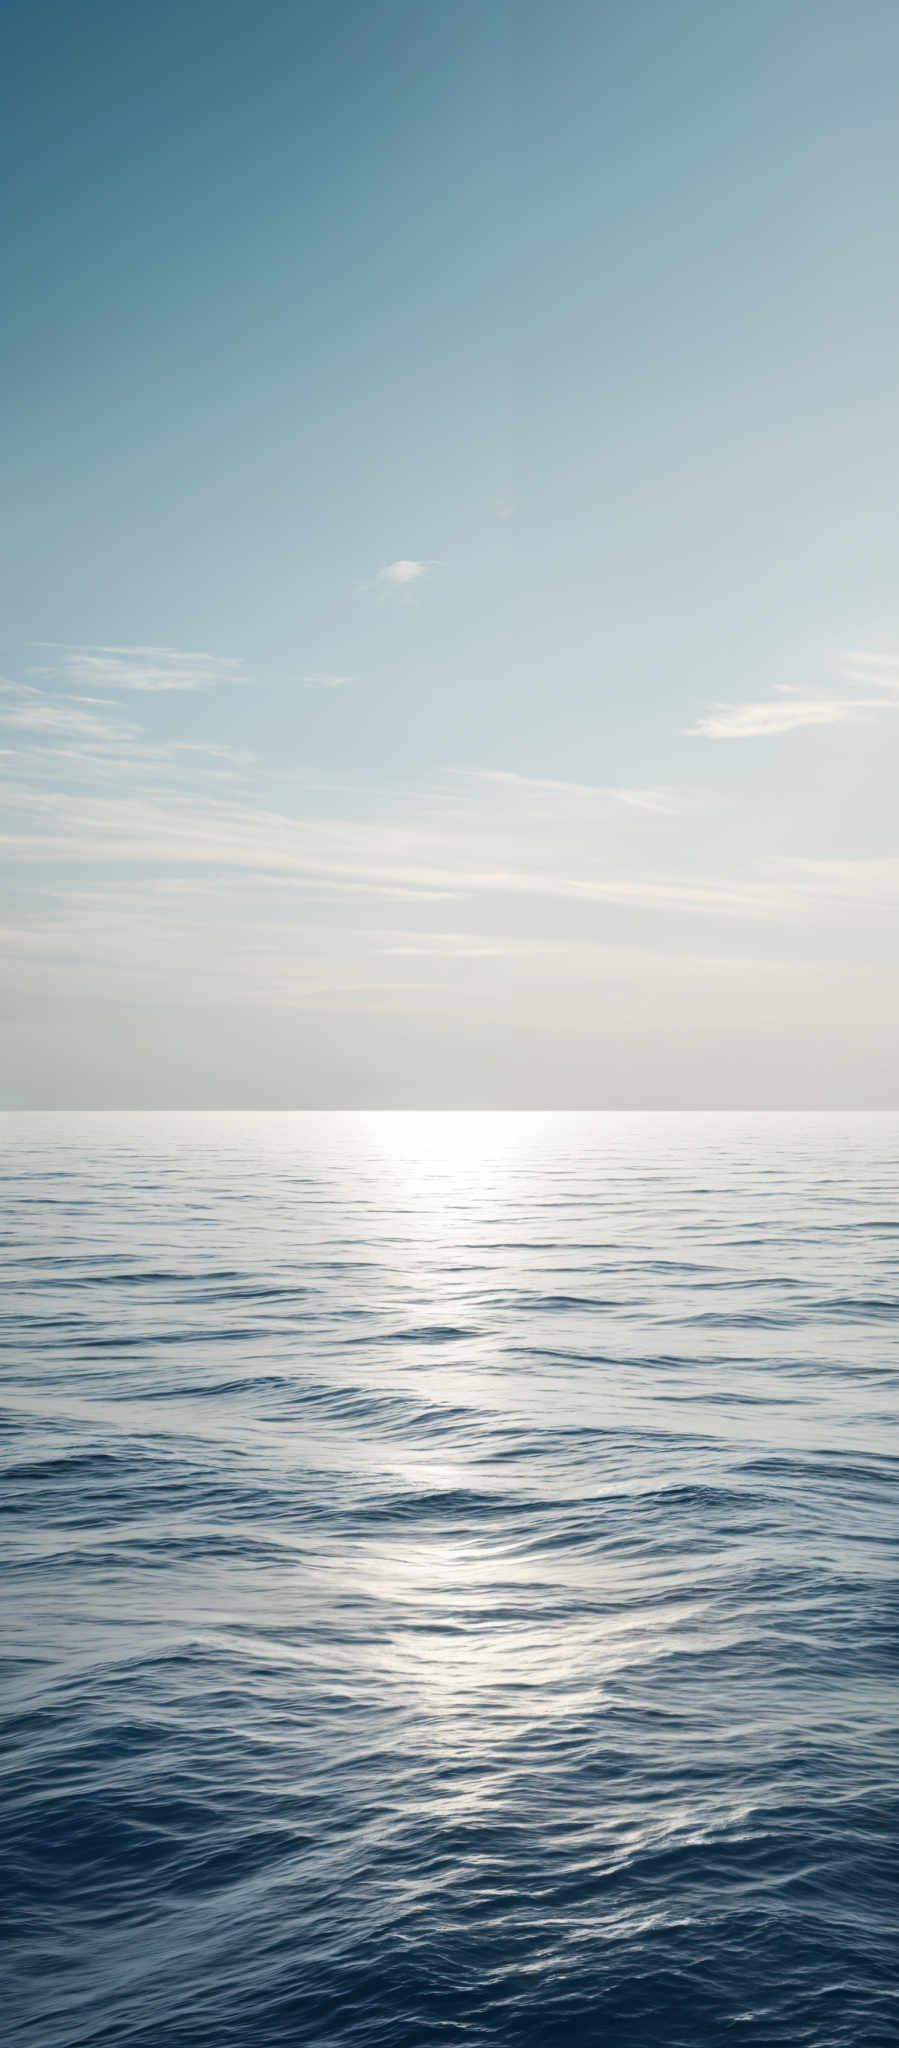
{"x":452,"y":1592}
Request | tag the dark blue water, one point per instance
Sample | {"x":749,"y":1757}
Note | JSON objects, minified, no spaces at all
{"x":451,"y":1581}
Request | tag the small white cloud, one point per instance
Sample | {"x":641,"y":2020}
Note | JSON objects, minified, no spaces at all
{"x":403,"y":572}
{"x":325,"y":682}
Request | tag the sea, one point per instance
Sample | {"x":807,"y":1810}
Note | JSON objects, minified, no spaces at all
{"x":450,"y":1580}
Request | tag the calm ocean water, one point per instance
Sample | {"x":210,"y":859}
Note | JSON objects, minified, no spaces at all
{"x":451,"y":1580}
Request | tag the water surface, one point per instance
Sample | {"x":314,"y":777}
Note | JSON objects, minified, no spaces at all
{"x":451,"y":1583}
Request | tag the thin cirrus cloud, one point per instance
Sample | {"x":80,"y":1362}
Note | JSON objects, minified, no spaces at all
{"x":789,"y":711}
{"x":767,"y":720}
{"x":113,"y":667}
{"x":546,"y":791}
{"x":56,"y":737}
{"x":35,"y":715}
{"x":873,"y":671}
{"x":419,"y":853}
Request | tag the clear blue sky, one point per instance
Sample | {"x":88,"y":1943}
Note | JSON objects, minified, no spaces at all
{"x":451,"y":623}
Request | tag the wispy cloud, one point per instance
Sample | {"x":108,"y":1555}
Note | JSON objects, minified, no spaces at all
{"x":789,"y":709}
{"x":51,"y":721}
{"x":473,"y":852}
{"x":139,"y":873}
{"x":778,"y":715}
{"x":33,"y":711}
{"x":137,"y":668}
{"x":442,"y":946}
{"x":873,"y":671}
{"x":325,"y":682}
{"x":59,"y":742}
{"x":658,"y":801}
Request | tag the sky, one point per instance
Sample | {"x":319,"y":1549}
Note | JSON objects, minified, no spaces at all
{"x":450,"y":626}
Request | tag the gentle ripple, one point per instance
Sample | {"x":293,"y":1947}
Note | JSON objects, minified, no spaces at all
{"x":451,"y":1580}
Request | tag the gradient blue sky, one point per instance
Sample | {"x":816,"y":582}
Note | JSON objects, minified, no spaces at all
{"x":451,"y":623}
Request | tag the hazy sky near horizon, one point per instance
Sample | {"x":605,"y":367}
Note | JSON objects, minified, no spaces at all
{"x":451,"y":619}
